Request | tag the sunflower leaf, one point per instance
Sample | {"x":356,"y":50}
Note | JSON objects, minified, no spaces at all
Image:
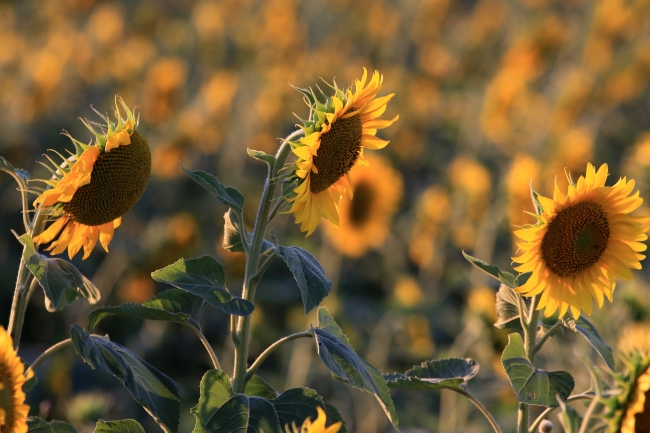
{"x":532,"y":385}
{"x":205,"y":278}
{"x":225,"y":194}
{"x":62,"y":427}
{"x":589,"y":331}
{"x":344,"y":363}
{"x":569,"y":418}
{"x":262,"y":156}
{"x":123,"y":426}
{"x":231,"y":238}
{"x":450,"y":373}
{"x":492,"y":270}
{"x":257,"y":387}
{"x":309,"y":274}
{"x":220,"y":410}
{"x":507,"y":309}
{"x":171,"y":305}
{"x":21,"y":176}
{"x":157,"y":393}
{"x":38,"y":425}
{"x":61,"y":280}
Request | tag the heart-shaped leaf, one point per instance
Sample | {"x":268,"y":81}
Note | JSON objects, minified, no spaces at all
{"x":157,"y":393}
{"x":205,"y":278}
{"x":589,"y":331}
{"x":335,"y":351}
{"x":442,"y":373}
{"x":62,"y":427}
{"x":309,"y":274}
{"x":225,"y":194}
{"x":60,"y":280}
{"x":171,"y":305}
{"x":123,"y":426}
{"x":532,"y":385}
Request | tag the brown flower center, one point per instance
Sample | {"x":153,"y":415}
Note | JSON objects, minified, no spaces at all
{"x":642,"y":420}
{"x":118,"y":179}
{"x":575,"y":239}
{"x":338,"y":151}
{"x":360,"y":208}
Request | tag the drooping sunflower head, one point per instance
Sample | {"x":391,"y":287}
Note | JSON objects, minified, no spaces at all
{"x":13,"y":410}
{"x":335,"y":135}
{"x":582,"y":242}
{"x":364,"y":222}
{"x":90,"y":191}
{"x":628,"y":411}
{"x":317,"y":426}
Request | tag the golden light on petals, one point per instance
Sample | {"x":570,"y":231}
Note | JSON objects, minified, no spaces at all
{"x":584,"y":241}
{"x":90,"y":193}
{"x":334,"y":141}
{"x":13,"y":410}
{"x":318,"y":426}
{"x":364,"y":222}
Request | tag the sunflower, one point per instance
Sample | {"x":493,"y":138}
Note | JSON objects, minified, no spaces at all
{"x":92,"y":190}
{"x":13,"y":410}
{"x":582,"y":242}
{"x":364,"y":221}
{"x":629,"y":410}
{"x":317,"y":426}
{"x":334,"y":138}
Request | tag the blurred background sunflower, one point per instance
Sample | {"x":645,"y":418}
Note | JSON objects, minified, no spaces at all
{"x":490,"y":93}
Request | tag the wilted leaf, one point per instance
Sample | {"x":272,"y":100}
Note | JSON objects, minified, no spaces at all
{"x":589,"y":331}
{"x":532,"y":385}
{"x":204,"y":277}
{"x":443,"y":373}
{"x":225,"y":194}
{"x":157,"y":393}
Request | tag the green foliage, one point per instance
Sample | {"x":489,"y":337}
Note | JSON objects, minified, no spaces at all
{"x":257,"y":387}
{"x":532,"y":385}
{"x":335,"y":351}
{"x":309,"y":274}
{"x":204,"y":277}
{"x":157,"y":393}
{"x":21,"y":176}
{"x":171,"y":305}
{"x":507,"y":309}
{"x":452,"y":373}
{"x":124,"y":426}
{"x":225,"y":194}
{"x":231,"y":237}
{"x":220,"y":410}
{"x":262,"y":156}
{"x":585,"y":328}
{"x":492,"y":270}
{"x":61,"y":280}
{"x":38,"y":425}
{"x":569,"y":418}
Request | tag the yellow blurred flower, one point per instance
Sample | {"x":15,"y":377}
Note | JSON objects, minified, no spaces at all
{"x":407,"y":291}
{"x":482,"y":301}
{"x":317,"y":426}
{"x":13,"y":410}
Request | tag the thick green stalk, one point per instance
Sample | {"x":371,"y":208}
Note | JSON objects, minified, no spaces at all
{"x":530,"y":337}
{"x":252,"y":262}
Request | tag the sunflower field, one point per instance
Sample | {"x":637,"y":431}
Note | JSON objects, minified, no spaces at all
{"x":324,"y":216}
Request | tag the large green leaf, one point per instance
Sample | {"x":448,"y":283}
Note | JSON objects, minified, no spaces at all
{"x":62,"y":427}
{"x":507,"y":307}
{"x":157,"y":393}
{"x":204,"y":277}
{"x":257,"y":387}
{"x":37,"y":425}
{"x":220,"y":410}
{"x":225,"y":194}
{"x":123,"y":426}
{"x":532,"y":385}
{"x":60,"y":280}
{"x":442,"y":373}
{"x":309,"y":274}
{"x":335,"y":351}
{"x":171,"y":305}
{"x":585,"y":328}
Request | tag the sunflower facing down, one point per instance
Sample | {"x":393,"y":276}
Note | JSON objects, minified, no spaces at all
{"x":13,"y":410}
{"x":583,"y":241}
{"x":90,"y":193}
{"x":317,"y":426}
{"x":364,"y":221}
{"x":335,"y":136}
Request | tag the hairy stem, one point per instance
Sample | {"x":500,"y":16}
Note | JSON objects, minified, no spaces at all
{"x":206,"y":344}
{"x":49,"y":352}
{"x":480,"y":407}
{"x":546,"y":336}
{"x":530,"y":335}
{"x":260,"y":359}
{"x":252,"y":263}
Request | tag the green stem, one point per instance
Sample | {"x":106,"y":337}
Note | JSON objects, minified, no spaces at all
{"x":547,"y":412}
{"x":252,"y":262}
{"x":49,"y":352}
{"x":206,"y":344}
{"x":546,"y":336}
{"x":530,"y":335}
{"x":480,"y":407}
{"x":253,"y":368}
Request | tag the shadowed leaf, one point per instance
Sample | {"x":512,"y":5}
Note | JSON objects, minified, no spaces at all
{"x":443,"y":373}
{"x":225,"y":194}
{"x":123,"y":426}
{"x":589,"y":331}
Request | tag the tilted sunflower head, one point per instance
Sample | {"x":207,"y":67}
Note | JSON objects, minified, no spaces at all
{"x":335,"y":135}
{"x":582,"y":242}
{"x":628,"y":411}
{"x":317,"y":426}
{"x":13,"y":410}
{"x":92,"y":190}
